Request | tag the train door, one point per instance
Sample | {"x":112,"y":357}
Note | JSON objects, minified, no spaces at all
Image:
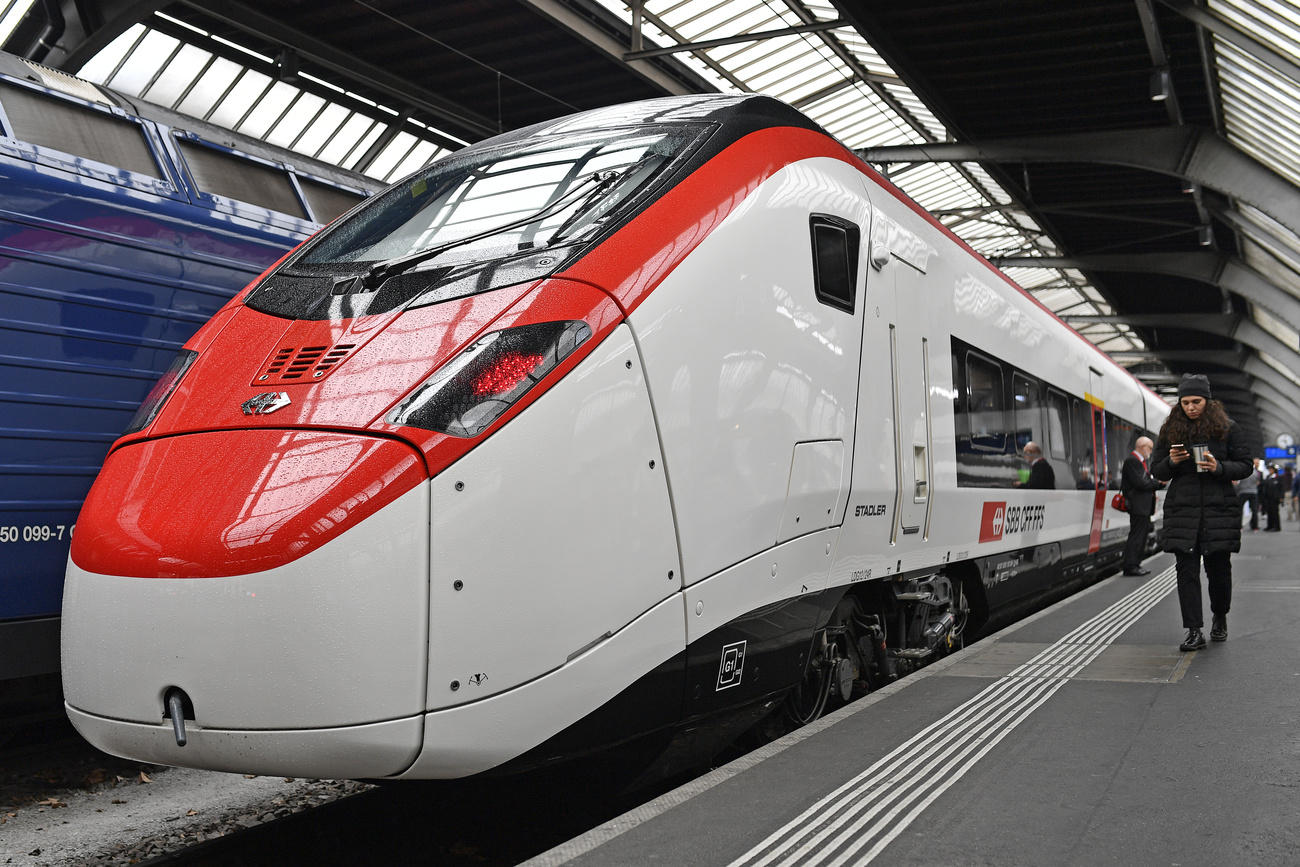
{"x":1099,"y":463}
{"x":909,"y":363}
{"x":893,"y":463}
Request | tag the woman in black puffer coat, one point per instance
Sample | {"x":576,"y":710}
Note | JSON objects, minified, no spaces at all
{"x":1202,"y":516}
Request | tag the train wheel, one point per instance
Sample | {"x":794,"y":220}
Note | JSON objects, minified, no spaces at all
{"x":807,"y":701}
{"x":961,"y":611}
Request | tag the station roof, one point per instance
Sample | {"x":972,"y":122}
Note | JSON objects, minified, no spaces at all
{"x":1134,"y":164}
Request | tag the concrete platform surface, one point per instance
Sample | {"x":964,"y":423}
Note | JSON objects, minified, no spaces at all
{"x":1079,"y":736}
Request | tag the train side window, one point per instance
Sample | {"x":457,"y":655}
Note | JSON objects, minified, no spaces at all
{"x":835,"y":260}
{"x":82,"y":131}
{"x":1058,"y":428}
{"x":1120,"y":439}
{"x":1081,"y":434}
{"x":326,"y":201}
{"x":986,"y":409}
{"x":1027,"y":416}
{"x":221,"y":173}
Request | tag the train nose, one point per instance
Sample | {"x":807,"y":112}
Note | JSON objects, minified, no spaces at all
{"x":276,"y":579}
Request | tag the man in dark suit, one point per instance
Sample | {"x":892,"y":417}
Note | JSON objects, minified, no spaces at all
{"x":1139,"y":490}
{"x":1041,"y":474}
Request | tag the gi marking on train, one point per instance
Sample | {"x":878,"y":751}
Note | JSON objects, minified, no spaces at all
{"x":265,"y":403}
{"x":732,"y":666}
{"x":1000,"y":520}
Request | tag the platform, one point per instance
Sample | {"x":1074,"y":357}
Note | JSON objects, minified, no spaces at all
{"x":1078,"y":736}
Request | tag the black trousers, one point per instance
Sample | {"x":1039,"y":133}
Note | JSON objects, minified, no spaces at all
{"x":1218,"y":569}
{"x":1273,"y":512}
{"x":1243,"y":499}
{"x":1138,"y":527}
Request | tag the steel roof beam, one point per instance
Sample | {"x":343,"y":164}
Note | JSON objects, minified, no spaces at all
{"x":1275,"y":384}
{"x":402,"y":91}
{"x":1260,"y":395}
{"x":1217,"y":270}
{"x":1265,"y":372}
{"x":1226,"y":31}
{"x":583,"y":28}
{"x":90,"y":28}
{"x":1235,"y":328}
{"x":819,"y":26}
{"x":1265,"y":236}
{"x":1197,"y":155}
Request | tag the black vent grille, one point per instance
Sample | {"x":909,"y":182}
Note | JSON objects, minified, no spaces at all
{"x":303,"y":364}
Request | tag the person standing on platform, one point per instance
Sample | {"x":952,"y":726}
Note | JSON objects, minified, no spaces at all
{"x":1139,"y":490}
{"x":1200,"y":452}
{"x":1248,"y":495}
{"x":1270,"y":499}
{"x":1041,"y":474}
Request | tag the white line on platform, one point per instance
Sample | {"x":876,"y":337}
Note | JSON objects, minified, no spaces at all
{"x":619,"y":825}
{"x":854,"y":823}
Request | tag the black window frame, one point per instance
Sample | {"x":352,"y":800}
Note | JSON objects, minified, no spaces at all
{"x":1035,"y":391}
{"x":1061,"y":451}
{"x":985,"y":442}
{"x":818,"y":226}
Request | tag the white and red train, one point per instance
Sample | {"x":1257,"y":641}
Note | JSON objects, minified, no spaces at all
{"x":636,"y":423}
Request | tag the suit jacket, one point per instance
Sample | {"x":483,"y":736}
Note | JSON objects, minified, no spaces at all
{"x":1041,"y":475}
{"x":1138,"y":487}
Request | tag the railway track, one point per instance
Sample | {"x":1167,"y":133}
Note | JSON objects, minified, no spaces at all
{"x":485,"y":822}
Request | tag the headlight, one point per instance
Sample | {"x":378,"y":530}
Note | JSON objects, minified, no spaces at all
{"x":473,"y":389}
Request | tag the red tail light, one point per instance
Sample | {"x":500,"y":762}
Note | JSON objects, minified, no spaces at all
{"x":506,"y":373}
{"x":472,"y":390}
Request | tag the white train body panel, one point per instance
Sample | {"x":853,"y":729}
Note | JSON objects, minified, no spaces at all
{"x":302,"y":652}
{"x":744,"y":363}
{"x":471,"y":738}
{"x":470,"y":550}
{"x":504,"y":521}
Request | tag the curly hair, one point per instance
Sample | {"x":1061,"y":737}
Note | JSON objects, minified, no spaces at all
{"x":1212,"y":425}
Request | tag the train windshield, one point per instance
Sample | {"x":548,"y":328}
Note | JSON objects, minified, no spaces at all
{"x":474,"y":221}
{"x":494,"y":204}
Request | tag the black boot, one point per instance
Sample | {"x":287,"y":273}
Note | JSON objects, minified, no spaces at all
{"x":1195,"y":640}
{"x":1219,"y":627}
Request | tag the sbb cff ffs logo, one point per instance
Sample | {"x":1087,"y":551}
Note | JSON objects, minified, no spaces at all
{"x":1000,"y":520}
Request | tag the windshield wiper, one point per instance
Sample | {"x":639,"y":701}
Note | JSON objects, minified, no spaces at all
{"x":596,"y":196}
{"x":381,"y":271}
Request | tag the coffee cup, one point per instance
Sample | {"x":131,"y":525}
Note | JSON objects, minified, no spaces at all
{"x":1198,"y":455}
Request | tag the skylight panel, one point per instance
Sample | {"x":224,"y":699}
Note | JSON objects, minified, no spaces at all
{"x":176,"y":77}
{"x":336,"y":149}
{"x":1280,"y":367}
{"x":1283,"y":331}
{"x":139,"y":68}
{"x":204,"y":93}
{"x":268,"y":110}
{"x":235,"y":105}
{"x":290,"y":126}
{"x":325,"y":125}
{"x":146,"y":63}
{"x":11,"y":13}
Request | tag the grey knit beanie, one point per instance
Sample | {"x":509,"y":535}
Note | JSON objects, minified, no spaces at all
{"x":1194,"y":384}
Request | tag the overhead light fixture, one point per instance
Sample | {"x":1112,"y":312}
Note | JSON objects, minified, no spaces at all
{"x":1161,"y":84}
{"x":1204,"y":236}
{"x":1188,"y":187}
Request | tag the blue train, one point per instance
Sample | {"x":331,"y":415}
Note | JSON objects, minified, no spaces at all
{"x":123,"y":228}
